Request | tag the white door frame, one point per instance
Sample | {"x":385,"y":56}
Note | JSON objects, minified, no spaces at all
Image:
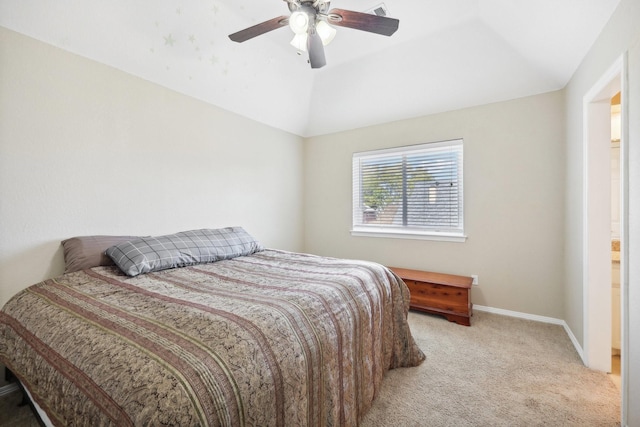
{"x":597,"y":221}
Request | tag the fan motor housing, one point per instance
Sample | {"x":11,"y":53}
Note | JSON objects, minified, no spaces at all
{"x":319,"y":6}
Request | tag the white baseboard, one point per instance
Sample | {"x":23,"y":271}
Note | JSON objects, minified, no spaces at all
{"x":575,"y":342}
{"x":518,"y":314}
{"x":536,"y":318}
{"x":9,"y":388}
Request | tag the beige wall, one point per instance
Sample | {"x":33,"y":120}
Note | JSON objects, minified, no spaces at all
{"x":514,"y":175}
{"x":87,"y":149}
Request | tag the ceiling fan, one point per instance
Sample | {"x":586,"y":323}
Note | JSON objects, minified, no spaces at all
{"x":309,"y":21}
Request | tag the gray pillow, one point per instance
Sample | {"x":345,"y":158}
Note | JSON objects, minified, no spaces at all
{"x":148,"y":254}
{"x":88,"y":251}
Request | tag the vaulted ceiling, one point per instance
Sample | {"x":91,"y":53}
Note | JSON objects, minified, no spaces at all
{"x":446,"y":54}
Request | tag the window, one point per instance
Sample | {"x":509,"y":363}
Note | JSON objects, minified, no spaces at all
{"x":411,"y":192}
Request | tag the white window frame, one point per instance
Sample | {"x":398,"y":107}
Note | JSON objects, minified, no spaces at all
{"x":454,"y":234}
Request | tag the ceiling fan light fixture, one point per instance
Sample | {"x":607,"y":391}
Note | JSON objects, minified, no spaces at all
{"x":312,"y":24}
{"x":326,"y":32}
{"x":299,"y":22}
{"x":299,"y":41}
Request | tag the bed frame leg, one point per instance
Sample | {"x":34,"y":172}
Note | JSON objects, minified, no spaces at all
{"x":8,"y":375}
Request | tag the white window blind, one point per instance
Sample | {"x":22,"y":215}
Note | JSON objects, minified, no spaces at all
{"x":409,"y":191}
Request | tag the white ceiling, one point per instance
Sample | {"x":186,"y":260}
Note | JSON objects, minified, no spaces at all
{"x":446,"y":54}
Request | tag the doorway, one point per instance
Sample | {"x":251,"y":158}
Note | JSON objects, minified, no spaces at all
{"x":597,"y":222}
{"x":597,"y":226}
{"x":616,"y":314}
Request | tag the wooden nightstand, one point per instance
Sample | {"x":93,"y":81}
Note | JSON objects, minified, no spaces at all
{"x":445,"y":294}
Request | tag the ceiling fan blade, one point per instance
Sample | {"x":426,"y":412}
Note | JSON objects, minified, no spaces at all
{"x":363,"y":21}
{"x":256,"y":30}
{"x":316,"y":50}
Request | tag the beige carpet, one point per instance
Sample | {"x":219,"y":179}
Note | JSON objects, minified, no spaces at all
{"x":501,"y":371}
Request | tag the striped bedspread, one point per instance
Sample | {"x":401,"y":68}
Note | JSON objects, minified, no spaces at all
{"x":272,"y":339}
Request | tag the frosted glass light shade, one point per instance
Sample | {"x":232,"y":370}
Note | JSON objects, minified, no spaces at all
{"x":326,"y":32}
{"x":300,"y":42}
{"x":299,"y":22}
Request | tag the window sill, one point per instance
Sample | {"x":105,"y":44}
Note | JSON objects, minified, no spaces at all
{"x":397,"y":234}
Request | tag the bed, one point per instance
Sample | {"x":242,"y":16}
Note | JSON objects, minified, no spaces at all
{"x":238,"y":336}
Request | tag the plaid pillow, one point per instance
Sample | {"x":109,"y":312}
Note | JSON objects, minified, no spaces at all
{"x":148,"y":254}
